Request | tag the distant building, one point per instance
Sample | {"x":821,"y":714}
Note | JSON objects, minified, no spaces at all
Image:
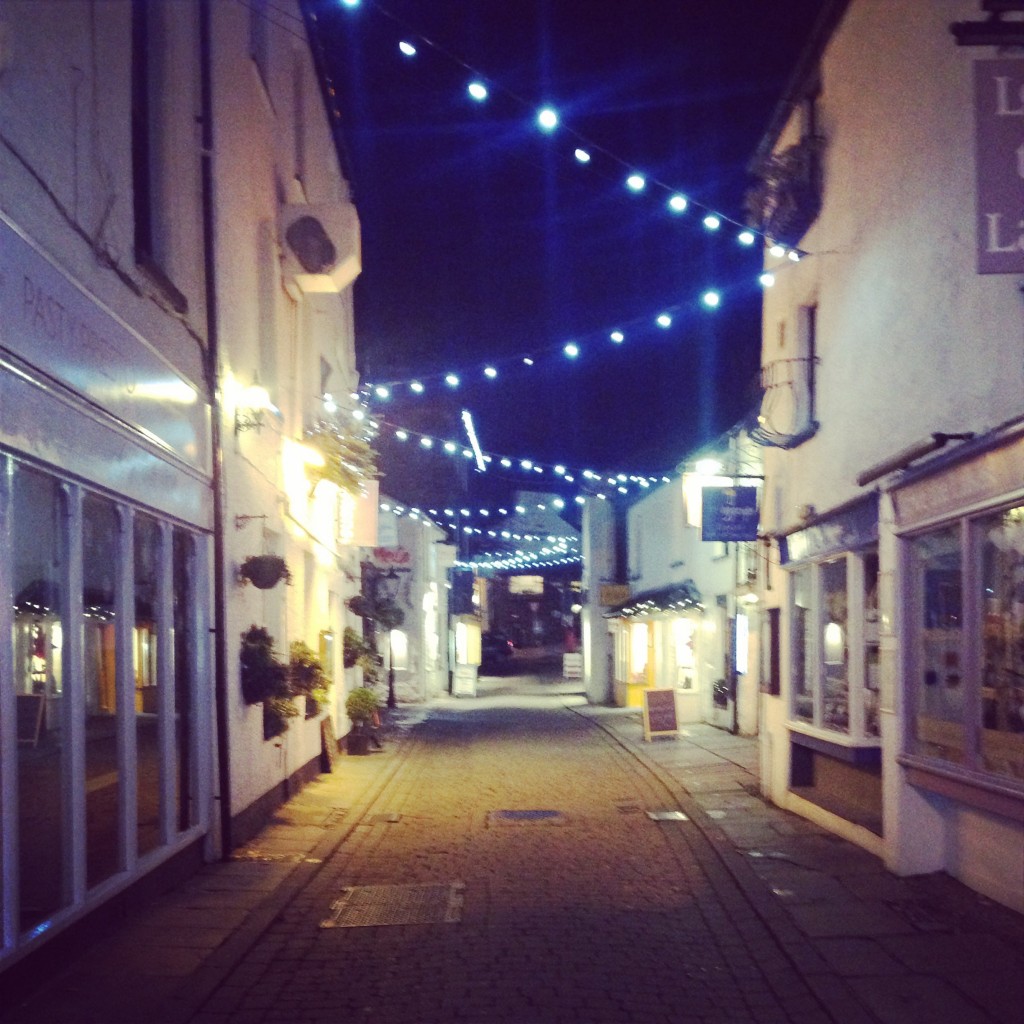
{"x":893,"y":425}
{"x":685,"y":616}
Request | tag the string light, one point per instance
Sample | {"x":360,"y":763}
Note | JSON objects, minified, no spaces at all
{"x":548,"y":120}
{"x":407,"y":48}
{"x":524,"y":465}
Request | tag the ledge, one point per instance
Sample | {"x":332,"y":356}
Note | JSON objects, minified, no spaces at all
{"x":983,"y":792}
{"x":862,"y":755}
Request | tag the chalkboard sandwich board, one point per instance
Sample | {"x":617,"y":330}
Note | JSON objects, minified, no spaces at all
{"x":660,"y":713}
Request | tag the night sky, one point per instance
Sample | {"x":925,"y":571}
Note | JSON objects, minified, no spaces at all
{"x":485,"y":240}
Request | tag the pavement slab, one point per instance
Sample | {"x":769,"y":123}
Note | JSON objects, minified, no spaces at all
{"x":574,"y":904}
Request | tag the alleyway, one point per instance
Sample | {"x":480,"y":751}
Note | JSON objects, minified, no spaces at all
{"x":521,"y":857}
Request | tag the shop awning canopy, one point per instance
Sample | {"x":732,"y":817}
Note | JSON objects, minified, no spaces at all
{"x":676,"y":597}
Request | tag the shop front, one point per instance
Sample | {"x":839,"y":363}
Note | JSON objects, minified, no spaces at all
{"x":831,"y":702}
{"x":958,"y":525}
{"x":662,"y":641}
{"x":105,"y":518}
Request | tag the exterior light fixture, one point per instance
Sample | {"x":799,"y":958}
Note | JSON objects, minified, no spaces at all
{"x":252,"y":404}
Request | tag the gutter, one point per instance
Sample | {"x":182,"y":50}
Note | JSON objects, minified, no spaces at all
{"x":220,"y":654}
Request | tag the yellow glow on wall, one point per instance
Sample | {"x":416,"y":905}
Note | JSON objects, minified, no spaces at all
{"x":638,"y":640}
{"x":467,"y":641}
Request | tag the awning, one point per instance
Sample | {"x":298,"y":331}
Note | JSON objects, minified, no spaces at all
{"x":676,"y":597}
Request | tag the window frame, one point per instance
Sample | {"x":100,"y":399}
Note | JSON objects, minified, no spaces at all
{"x":856,"y":640}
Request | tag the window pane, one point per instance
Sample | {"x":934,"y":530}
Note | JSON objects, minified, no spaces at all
{"x":871,"y":648}
{"x":44,"y":840}
{"x":147,"y":705}
{"x":803,"y":647}
{"x":102,"y":778}
{"x":184,"y":653}
{"x":835,"y":708}
{"x":936,"y":574}
{"x":1002,"y":693}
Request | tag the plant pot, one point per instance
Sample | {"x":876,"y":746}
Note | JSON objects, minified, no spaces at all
{"x":357,"y":742}
{"x":265,"y":571}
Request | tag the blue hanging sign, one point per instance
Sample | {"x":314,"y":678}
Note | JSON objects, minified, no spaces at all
{"x":729,"y":513}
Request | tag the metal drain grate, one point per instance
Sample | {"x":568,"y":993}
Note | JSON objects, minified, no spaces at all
{"x":667,"y":816}
{"x":367,"y":906}
{"x":527,"y":817}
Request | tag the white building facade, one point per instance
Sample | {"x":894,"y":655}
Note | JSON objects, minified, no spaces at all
{"x":690,"y":620}
{"x":150,"y":275}
{"x":893,"y":420}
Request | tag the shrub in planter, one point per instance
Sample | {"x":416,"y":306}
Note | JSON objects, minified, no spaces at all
{"x":353,"y":647}
{"x":263,"y":676}
{"x":362,"y":705}
{"x":265,"y":571}
{"x":307,"y":677}
{"x":276,"y":713}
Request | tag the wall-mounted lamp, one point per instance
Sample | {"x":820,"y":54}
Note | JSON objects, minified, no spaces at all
{"x":252,"y":404}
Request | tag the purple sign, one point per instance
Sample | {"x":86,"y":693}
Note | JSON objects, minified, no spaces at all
{"x":999,"y":131}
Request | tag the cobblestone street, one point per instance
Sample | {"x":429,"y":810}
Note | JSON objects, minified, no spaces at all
{"x":521,"y":857}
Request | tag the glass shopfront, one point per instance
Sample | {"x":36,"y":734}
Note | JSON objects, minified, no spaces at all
{"x":105,"y":636}
{"x":967,"y":620}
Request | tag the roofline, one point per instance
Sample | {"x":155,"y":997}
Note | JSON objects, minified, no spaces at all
{"x":803,"y":78}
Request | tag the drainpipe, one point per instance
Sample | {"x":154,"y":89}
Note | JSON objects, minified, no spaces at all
{"x":220,"y":653}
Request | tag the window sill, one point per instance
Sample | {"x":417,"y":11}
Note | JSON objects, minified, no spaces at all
{"x":853,"y":749}
{"x":984,"y":792}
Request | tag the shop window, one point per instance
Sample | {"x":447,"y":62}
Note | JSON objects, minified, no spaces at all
{"x":147,"y":570}
{"x":968,"y":666}
{"x":834,"y":645}
{"x":103,"y":781}
{"x":803,"y":647}
{"x":43,"y":790}
{"x":936,"y":571}
{"x":638,"y":641}
{"x":185,"y":597}
{"x":684,"y":642}
{"x":1002,"y":642}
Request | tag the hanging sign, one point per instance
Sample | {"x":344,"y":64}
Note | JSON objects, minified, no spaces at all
{"x":999,"y":145}
{"x":729,"y":513}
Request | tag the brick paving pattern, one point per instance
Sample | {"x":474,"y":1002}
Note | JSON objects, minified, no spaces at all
{"x":575,"y":907}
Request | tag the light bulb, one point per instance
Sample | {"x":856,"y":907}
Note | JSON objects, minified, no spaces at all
{"x":618,"y":337}
{"x":711,"y":299}
{"x":547,"y":118}
{"x":477,"y":90}
{"x":583,"y":156}
{"x":712,"y":223}
{"x":407,"y":48}
{"x":664,"y":320}
{"x":636,"y":182}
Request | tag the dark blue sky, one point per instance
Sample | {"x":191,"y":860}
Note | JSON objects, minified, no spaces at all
{"x":484,"y":239}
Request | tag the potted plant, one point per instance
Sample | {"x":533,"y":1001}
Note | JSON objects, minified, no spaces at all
{"x":307,"y":677}
{"x":264,"y":571}
{"x":362,"y":706}
{"x":265,"y":681}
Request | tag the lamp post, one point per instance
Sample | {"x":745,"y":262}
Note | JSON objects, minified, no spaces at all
{"x":387,"y":591}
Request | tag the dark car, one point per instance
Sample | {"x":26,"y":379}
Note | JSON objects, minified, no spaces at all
{"x":495,"y":654}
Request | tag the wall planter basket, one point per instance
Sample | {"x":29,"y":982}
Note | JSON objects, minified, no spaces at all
{"x":264,"y":571}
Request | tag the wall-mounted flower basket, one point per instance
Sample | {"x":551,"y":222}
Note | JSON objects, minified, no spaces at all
{"x":265,"y":571}
{"x":265,"y":681}
{"x":307,"y":677}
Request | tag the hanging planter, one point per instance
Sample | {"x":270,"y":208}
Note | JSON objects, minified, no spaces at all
{"x":264,"y":571}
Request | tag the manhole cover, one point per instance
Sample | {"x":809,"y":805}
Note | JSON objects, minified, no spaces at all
{"x":667,"y":816}
{"x":364,"y":906}
{"x":526,"y":817}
